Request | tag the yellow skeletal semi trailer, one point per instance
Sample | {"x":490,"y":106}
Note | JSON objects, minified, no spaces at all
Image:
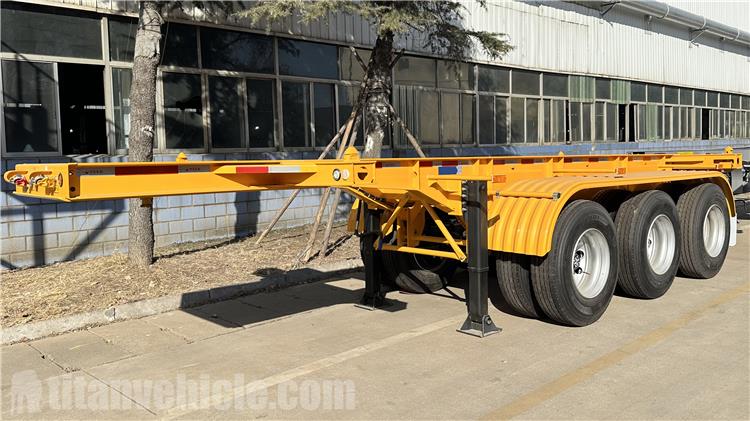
{"x":563,"y":230}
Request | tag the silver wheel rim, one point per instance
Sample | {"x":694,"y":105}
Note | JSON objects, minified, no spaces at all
{"x":714,"y":231}
{"x":590,"y":263}
{"x":660,"y":244}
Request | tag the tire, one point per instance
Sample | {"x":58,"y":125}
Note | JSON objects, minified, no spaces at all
{"x":419,"y":274}
{"x":583,"y":242}
{"x":648,"y":238}
{"x":704,"y":217}
{"x":514,"y":280}
{"x":611,"y":199}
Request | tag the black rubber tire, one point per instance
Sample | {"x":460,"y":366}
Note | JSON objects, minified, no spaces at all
{"x":611,"y":199}
{"x":413,"y":273}
{"x":634,"y":218}
{"x":552,"y":275}
{"x":692,"y":207}
{"x":514,"y":280}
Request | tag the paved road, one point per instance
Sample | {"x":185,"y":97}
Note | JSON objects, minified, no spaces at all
{"x":306,"y":352}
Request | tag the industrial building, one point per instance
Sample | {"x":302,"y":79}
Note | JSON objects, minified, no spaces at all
{"x":589,"y":77}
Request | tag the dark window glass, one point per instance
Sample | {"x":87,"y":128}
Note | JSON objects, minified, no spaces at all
{"x":638,"y":91}
{"x":179,"y":45}
{"x":50,"y":31}
{"x":467,"y":119}
{"x":558,"y":121}
{"x":599,"y":122}
{"x":325,"y":114}
{"x":575,"y":121}
{"x":295,"y":102}
{"x":671,"y":95}
{"x":586,"y":122}
{"x":724,"y":100}
{"x":486,"y":119}
{"x":686,"y":96}
{"x":347,"y":98}
{"x":494,"y":79}
{"x":612,"y":120}
{"x":260,"y":112}
{"x":311,"y":59}
{"x":451,"y":118}
{"x":240,"y":51}
{"x":532,"y":120}
{"x":501,"y":120}
{"x":429,"y":126}
{"x":121,"y":79}
{"x":712,"y":99}
{"x":735,"y":101}
{"x":29,"y":106}
{"x":415,"y":71}
{"x":517,"y":120}
{"x":555,"y":85}
{"x":227,"y":116}
{"x":122,"y":38}
{"x":746,"y":105}
{"x":546,"y":120}
{"x":655,"y":93}
{"x":525,"y":82}
{"x":700,"y":98}
{"x":350,"y":67}
{"x":455,"y":75}
{"x":183,"y":112}
{"x":603,"y":89}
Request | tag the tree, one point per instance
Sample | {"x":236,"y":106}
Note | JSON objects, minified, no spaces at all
{"x":143,"y":126}
{"x":439,"y":21}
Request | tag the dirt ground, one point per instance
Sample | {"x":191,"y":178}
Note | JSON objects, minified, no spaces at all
{"x":34,"y":294}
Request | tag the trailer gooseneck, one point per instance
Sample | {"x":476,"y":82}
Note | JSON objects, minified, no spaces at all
{"x":563,"y":230}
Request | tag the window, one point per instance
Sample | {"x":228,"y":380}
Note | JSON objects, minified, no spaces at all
{"x":525,"y":82}
{"x":260,"y":112}
{"x":586,"y":122}
{"x":684,"y":123}
{"x":429,"y":126}
{"x":494,"y":79}
{"x":239,"y":51}
{"x":532,"y":120}
{"x":557,"y":121}
{"x":121,"y":38}
{"x":501,"y":120}
{"x":555,"y":85}
{"x":55,"y":31}
{"x":700,"y":98}
{"x":467,"y":119}
{"x":655,"y":94}
{"x":30,"y":107}
{"x":612,"y":122}
{"x":575,"y":121}
{"x":227,"y":115}
{"x":121,"y":79}
{"x":415,"y":71}
{"x":603,"y":89}
{"x":183,"y":112}
{"x":724,"y":100}
{"x":735,"y":101}
{"x":179,"y":44}
{"x":451,"y":109}
{"x":455,"y":75}
{"x":675,"y":123}
{"x":638,"y":91}
{"x":310,"y":59}
{"x":746,"y":103}
{"x":671,"y":95}
{"x":295,"y":100}
{"x":713,"y":99}
{"x":686,"y":96}
{"x":599,"y":125}
{"x":517,"y":120}
{"x":347,"y":98}
{"x":350,"y":68}
{"x":324,"y":113}
{"x":486,"y":119}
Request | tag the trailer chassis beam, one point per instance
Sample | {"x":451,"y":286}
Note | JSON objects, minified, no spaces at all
{"x":478,"y":322}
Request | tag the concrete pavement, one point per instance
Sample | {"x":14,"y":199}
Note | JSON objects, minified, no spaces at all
{"x":307,"y":352}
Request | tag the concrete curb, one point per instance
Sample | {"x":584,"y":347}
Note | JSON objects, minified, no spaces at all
{"x":149,"y":307}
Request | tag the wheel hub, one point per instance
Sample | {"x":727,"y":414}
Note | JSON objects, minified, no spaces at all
{"x":590,"y":263}
{"x":714,"y":231}
{"x":661,"y":244}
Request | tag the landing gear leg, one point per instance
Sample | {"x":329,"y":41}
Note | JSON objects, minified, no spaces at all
{"x":478,"y":323}
{"x":374,"y":296}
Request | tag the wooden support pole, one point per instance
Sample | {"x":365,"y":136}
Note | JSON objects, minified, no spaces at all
{"x":409,"y":136}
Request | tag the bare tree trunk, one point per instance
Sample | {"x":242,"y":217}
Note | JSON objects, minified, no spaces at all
{"x":377,"y":112}
{"x":143,"y":127}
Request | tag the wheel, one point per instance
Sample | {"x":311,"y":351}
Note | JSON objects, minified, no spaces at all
{"x":704,"y":217}
{"x":514,"y":280}
{"x":417,"y":273}
{"x":611,"y":200}
{"x":574,"y":282}
{"x":648,"y":238}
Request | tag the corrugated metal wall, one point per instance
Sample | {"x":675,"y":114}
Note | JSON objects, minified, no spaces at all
{"x":565,"y":37}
